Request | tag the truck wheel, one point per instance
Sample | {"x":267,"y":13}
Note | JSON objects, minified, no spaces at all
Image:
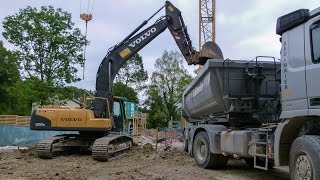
{"x":304,"y":162}
{"x":201,"y":152}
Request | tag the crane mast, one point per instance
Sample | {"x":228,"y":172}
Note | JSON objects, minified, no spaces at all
{"x":207,"y":21}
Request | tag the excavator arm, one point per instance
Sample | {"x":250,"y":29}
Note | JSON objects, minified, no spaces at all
{"x":123,"y":51}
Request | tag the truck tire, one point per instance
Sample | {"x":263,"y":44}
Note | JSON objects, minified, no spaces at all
{"x":203,"y":156}
{"x":304,"y":160}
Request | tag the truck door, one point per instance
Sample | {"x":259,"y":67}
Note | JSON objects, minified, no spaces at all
{"x":312,"y":44}
{"x":293,"y":75}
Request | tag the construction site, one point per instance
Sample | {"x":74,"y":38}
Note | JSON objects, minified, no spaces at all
{"x":146,"y":160}
{"x":196,"y":114}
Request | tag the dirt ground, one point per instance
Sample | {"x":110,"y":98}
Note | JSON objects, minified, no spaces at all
{"x":142,"y":162}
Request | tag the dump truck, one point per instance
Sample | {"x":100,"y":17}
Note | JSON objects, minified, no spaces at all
{"x":265,"y":111}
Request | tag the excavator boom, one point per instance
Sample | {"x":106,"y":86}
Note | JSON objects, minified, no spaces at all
{"x":122,"y":52}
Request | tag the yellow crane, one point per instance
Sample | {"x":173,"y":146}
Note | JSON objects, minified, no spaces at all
{"x":207,"y":24}
{"x":207,"y":29}
{"x":207,"y":21}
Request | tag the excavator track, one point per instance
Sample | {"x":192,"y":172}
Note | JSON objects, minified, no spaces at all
{"x":110,"y":146}
{"x":48,"y":147}
{"x":103,"y":148}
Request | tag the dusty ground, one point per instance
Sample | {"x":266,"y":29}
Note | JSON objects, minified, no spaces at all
{"x":139,"y":163}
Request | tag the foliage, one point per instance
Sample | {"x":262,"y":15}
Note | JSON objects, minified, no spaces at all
{"x":133,"y":74}
{"x":48,"y":45}
{"x":48,"y":48}
{"x":9,"y":75}
{"x":9,"y":72}
{"x":22,"y":95}
{"x":121,"y":89}
{"x":24,"y":92}
{"x":18,"y":95}
{"x":168,"y":82}
{"x":157,"y":113}
{"x":71,"y":92}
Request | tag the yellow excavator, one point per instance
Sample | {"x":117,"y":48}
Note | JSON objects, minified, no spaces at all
{"x":95,"y":123}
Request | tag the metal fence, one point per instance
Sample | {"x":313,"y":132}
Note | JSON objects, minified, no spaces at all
{"x":161,"y":137}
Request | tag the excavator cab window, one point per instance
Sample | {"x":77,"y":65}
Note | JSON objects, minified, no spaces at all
{"x":89,"y":103}
{"x":118,"y":114}
{"x":106,"y":112}
{"x":116,"y":108}
{"x":315,"y":42}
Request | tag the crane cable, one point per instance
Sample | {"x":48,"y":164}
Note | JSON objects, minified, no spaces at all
{"x":84,"y":51}
{"x":86,"y":17}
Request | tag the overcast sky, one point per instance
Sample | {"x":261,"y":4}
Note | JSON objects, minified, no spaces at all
{"x":244,"y":28}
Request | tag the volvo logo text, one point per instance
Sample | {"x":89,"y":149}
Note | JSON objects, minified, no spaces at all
{"x":143,"y":37}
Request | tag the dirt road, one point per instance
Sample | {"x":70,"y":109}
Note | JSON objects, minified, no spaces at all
{"x":139,"y":163}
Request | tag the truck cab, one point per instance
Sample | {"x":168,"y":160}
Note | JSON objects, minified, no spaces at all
{"x":300,"y":57}
{"x":234,"y":110}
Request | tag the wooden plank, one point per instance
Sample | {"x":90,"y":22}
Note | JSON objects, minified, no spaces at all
{"x":8,"y":119}
{"x":14,"y":120}
{"x":23,"y":120}
{"x":10,"y":122}
{"x":5,"y":116}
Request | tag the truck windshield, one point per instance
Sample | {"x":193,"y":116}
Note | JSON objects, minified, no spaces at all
{"x":315,"y":34}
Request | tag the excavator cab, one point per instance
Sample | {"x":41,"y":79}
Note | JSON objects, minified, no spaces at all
{"x":118,"y":111}
{"x":80,"y":119}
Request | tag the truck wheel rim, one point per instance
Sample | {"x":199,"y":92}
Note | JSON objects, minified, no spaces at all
{"x":303,"y":168}
{"x":201,"y":150}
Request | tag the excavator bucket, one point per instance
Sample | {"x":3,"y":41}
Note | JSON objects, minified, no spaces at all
{"x":210,"y":50}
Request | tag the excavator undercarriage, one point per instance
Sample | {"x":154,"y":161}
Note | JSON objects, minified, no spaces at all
{"x":102,"y":148}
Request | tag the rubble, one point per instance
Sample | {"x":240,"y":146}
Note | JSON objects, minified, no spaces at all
{"x":11,"y":148}
{"x":142,"y":162}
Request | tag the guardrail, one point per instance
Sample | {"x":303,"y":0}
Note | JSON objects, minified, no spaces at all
{"x":15,"y":120}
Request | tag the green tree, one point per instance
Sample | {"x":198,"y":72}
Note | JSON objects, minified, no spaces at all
{"x":157,"y":114}
{"x":168,"y":82}
{"x":133,"y":74}
{"x":22,"y":96}
{"x":120,"y":89}
{"x":48,"y":46}
{"x":9,"y":75}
